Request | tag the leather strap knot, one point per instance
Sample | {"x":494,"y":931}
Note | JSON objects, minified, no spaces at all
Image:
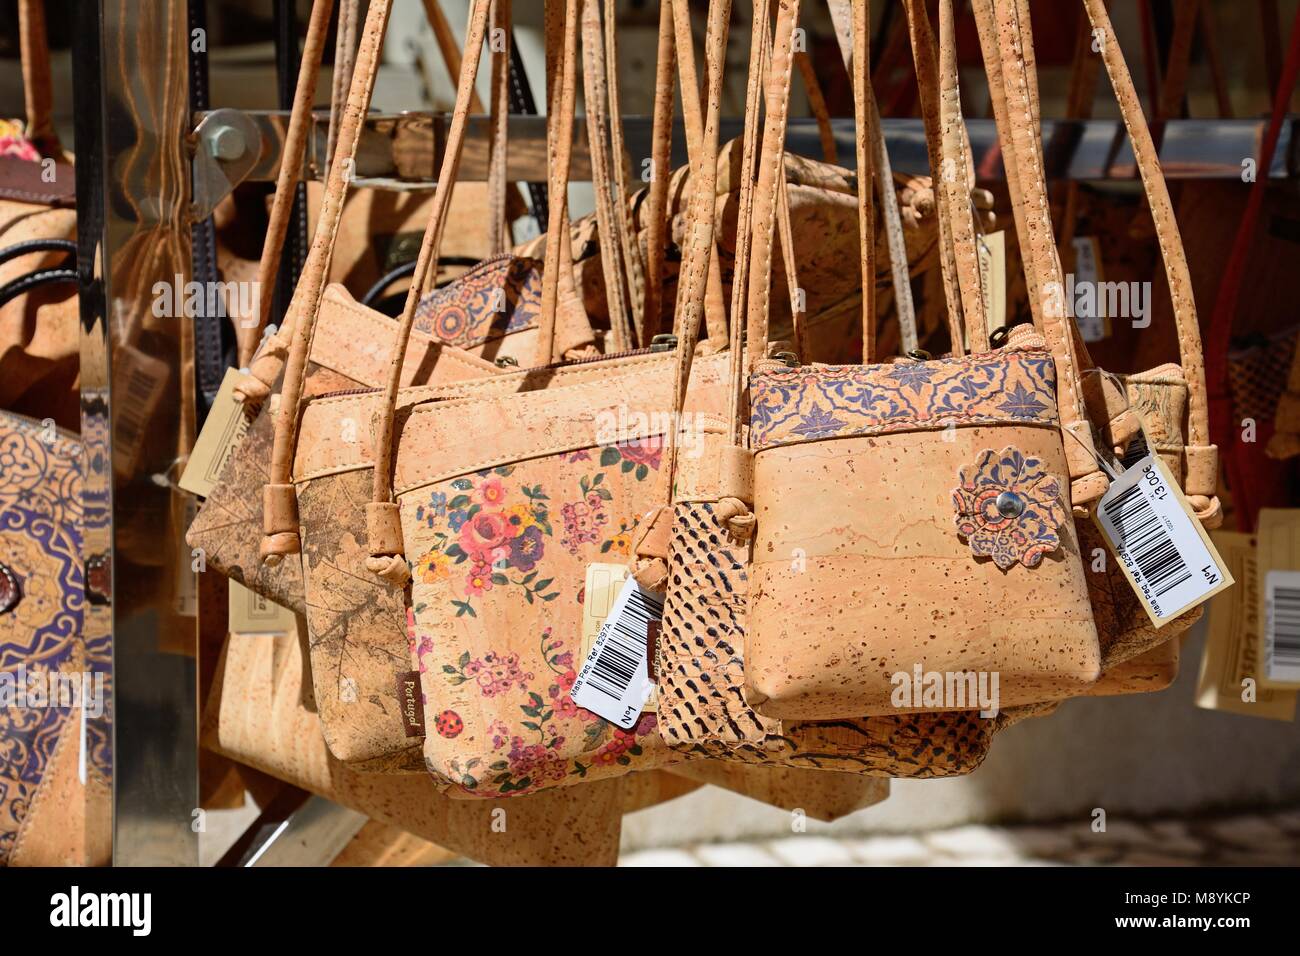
{"x":1208,"y":510}
{"x":735,"y":516}
{"x":251,"y":390}
{"x":387,"y":551}
{"x":279,"y":524}
{"x":392,"y":568}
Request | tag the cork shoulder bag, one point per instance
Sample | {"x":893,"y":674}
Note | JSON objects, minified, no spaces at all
{"x":261,"y":713}
{"x":939,"y":533}
{"x":1169,"y":401}
{"x":358,"y":625}
{"x":700,"y":662}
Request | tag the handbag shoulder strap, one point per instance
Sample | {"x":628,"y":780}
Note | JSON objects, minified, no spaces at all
{"x":595,"y":90}
{"x":1202,"y":456}
{"x":852,"y":32}
{"x":927,"y":71}
{"x":383,"y":521}
{"x":279,"y":507}
{"x":715,"y":315}
{"x":1002,"y":41}
{"x":660,"y":160}
{"x":251,"y":387}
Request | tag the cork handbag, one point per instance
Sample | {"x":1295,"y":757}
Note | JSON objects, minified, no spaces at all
{"x":54,"y":664}
{"x":500,"y":505}
{"x":1169,"y":400}
{"x":700,"y":663}
{"x":930,"y":570}
{"x":261,"y":713}
{"x":349,"y":344}
{"x":357,"y":622}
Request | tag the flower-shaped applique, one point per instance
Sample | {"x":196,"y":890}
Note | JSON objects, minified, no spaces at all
{"x":1009,"y":508}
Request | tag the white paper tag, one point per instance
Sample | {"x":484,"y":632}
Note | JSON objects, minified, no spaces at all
{"x":1282,"y":630}
{"x":1160,"y":545}
{"x":1082,"y":295}
{"x":615,"y":681}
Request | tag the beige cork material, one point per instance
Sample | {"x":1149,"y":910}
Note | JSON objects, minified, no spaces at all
{"x":261,"y":713}
{"x":701,"y":674}
{"x":838,"y":612}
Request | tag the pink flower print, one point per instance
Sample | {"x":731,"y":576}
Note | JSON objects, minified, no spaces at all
{"x":492,"y":493}
{"x":580,"y":525}
{"x":644,"y":451}
{"x":424,"y":648}
{"x":479,"y":580}
{"x":486,"y":536}
{"x":500,"y":734}
{"x":500,"y":673}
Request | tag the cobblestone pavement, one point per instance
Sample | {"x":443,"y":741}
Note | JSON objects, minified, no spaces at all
{"x":1266,"y":839}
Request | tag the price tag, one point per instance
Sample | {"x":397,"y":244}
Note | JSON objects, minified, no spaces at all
{"x":224,"y":428}
{"x":615,"y":681}
{"x":1166,"y":555}
{"x":1232,"y":662}
{"x":1083,"y":290}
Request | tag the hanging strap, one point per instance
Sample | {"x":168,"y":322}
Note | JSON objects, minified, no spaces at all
{"x":291,"y":162}
{"x":595,"y":95}
{"x":345,"y":54}
{"x":1000,"y":29}
{"x":1202,"y":456}
{"x":817,"y":105}
{"x":715,"y":315}
{"x":651,"y":538}
{"x":660,"y":162}
{"x":279,"y":507}
{"x":383,"y":523}
{"x":855,"y":46}
{"x":499,"y":239}
{"x":38,"y":87}
{"x":758,"y":53}
{"x":633,"y":267}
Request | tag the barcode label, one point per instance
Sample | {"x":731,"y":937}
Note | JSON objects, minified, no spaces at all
{"x":138,"y":383}
{"x":1282,"y":630}
{"x":614,"y":681}
{"x":1165,"y":554}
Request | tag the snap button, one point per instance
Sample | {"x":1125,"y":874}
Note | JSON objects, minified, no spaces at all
{"x":1010,"y":505}
{"x":9,"y":591}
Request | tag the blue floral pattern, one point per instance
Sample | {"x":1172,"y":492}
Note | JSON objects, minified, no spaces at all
{"x":817,"y":402}
{"x":1009,"y":539}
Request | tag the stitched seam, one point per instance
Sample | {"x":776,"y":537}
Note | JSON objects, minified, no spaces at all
{"x":910,"y":425}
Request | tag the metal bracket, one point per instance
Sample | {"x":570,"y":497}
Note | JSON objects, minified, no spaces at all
{"x":227,"y":145}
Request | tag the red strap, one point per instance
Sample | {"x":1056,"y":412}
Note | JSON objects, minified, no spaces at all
{"x":1219,"y":335}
